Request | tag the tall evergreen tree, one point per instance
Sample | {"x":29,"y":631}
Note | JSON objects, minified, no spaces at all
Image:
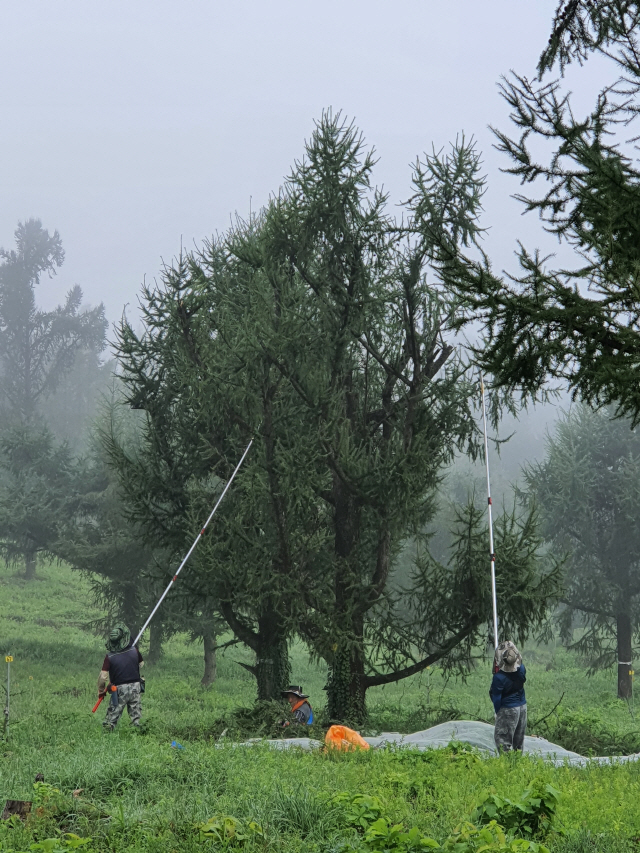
{"x":588,"y":496}
{"x":363,"y":338}
{"x":314,"y":328}
{"x":37,"y":349}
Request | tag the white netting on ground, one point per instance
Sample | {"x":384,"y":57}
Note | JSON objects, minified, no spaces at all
{"x":479,"y":735}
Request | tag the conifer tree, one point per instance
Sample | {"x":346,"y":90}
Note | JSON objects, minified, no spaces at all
{"x":363,"y":338}
{"x":37,"y":349}
{"x":204,"y":396}
{"x":314,"y":328}
{"x":579,"y":322}
{"x":38,"y":488}
{"x":586,"y":490}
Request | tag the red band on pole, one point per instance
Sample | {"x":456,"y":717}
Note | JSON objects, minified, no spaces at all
{"x":490,"y":502}
{"x":175,"y":578}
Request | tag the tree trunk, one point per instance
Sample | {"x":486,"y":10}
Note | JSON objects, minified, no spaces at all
{"x":155,"y":643}
{"x":30,"y":559}
{"x":129,"y":608}
{"x":346,"y":689}
{"x":272,"y":669}
{"x":210,"y":663}
{"x":624,"y":655}
{"x":270,"y":644}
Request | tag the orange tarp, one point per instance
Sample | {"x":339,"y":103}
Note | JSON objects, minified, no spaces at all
{"x":340,"y":737}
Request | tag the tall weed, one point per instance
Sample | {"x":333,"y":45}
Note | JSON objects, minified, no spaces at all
{"x":533,"y":815}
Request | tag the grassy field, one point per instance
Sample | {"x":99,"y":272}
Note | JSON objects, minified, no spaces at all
{"x":137,"y":792}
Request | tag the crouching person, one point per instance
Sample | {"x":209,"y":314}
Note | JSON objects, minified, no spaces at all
{"x":121,"y":668}
{"x":507,"y":695}
{"x":300,"y":708}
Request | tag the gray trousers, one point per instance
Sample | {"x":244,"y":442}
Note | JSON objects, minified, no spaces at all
{"x":511,"y":727}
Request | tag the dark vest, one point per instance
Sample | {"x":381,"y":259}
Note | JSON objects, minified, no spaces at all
{"x":124,"y":667}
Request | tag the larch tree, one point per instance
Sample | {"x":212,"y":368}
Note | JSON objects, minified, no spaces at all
{"x":364,"y":340}
{"x":37,"y":350}
{"x":204,"y":395}
{"x":314,"y":328}
{"x":588,"y":495}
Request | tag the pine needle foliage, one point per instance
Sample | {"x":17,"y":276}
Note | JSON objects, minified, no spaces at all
{"x":580,"y":323}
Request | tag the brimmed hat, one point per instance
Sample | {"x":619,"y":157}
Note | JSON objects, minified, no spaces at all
{"x":119,"y":638}
{"x":295,"y":690}
{"x":507,"y":657}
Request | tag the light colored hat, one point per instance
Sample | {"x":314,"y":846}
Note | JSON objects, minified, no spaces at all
{"x":507,"y":657}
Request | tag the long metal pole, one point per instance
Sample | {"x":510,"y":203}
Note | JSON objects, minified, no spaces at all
{"x":193,"y":547}
{"x":490,"y":506}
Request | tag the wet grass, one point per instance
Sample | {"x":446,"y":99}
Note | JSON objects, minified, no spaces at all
{"x":139,"y":793}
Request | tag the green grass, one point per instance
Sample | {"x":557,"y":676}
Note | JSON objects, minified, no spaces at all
{"x":138,"y":793}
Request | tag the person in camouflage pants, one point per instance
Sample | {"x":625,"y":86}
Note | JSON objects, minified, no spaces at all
{"x":511,"y":727}
{"x":121,"y":667}
{"x":509,"y":701}
{"x":126,"y":696}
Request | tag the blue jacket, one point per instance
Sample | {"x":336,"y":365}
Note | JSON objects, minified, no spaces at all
{"x":507,"y":689}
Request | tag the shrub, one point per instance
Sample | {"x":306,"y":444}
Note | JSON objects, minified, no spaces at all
{"x":532,"y":815}
{"x":588,"y":734}
{"x":360,"y":810}
{"x":488,"y":839}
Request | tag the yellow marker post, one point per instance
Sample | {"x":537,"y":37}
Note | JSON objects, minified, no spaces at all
{"x":8,"y":659}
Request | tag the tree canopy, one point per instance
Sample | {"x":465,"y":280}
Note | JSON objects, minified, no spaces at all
{"x":37,"y":348}
{"x":579,"y":323}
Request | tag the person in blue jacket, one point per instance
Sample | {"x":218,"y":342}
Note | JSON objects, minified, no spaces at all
{"x":507,"y":695}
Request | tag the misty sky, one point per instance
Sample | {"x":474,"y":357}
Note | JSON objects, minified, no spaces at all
{"x":131,"y":126}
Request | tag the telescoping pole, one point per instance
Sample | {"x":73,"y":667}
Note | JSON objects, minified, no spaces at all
{"x":193,"y":547}
{"x":491,"y":551}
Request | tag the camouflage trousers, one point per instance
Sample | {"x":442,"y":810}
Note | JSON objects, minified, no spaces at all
{"x":511,"y":727}
{"x":127,"y":696}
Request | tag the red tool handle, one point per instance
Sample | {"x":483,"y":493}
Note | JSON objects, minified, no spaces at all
{"x":96,"y":706}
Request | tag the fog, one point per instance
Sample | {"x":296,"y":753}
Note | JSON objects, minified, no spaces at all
{"x":133,"y":128}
